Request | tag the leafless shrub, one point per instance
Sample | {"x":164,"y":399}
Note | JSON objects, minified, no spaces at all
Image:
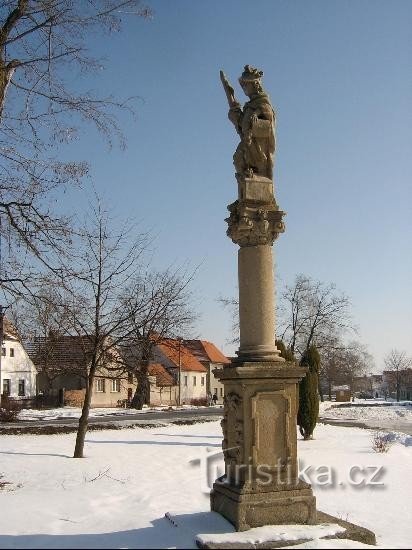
{"x":381,"y":442}
{"x":199,"y":401}
{"x":9,"y":410}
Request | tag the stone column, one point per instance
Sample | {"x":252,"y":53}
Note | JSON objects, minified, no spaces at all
{"x":261,"y":484}
{"x":255,"y":222}
{"x":256,"y":311}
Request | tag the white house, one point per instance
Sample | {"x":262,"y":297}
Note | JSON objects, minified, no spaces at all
{"x":178,"y":360}
{"x":211,"y":358}
{"x":17,"y":371}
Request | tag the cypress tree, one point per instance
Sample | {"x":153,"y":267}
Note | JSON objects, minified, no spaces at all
{"x":308,"y":393}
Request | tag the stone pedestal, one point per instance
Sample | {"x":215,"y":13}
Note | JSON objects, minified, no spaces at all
{"x":261,"y":484}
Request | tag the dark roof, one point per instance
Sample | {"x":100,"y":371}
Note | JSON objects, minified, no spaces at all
{"x":60,"y":352}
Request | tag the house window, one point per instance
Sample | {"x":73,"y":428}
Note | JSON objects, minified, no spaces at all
{"x":3,"y":352}
{"x":6,"y":386}
{"x":215,"y":391}
{"x":11,"y":352}
{"x":22,"y":389}
{"x":194,"y":380}
{"x":221,"y":392}
{"x":115,"y":385}
{"x":130,"y":378}
{"x":100,"y":385}
{"x":186,"y":381}
{"x":202,"y":381}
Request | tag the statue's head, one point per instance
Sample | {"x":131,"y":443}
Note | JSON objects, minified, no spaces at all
{"x":251,"y":80}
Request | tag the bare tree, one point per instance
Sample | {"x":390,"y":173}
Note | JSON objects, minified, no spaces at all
{"x":160,"y":306}
{"x":342,"y":363}
{"x":43,"y":59}
{"x":91,"y":291}
{"x":399,"y":363}
{"x":42,"y":321}
{"x":232,"y":306}
{"x":312,"y":312}
{"x":309,"y":312}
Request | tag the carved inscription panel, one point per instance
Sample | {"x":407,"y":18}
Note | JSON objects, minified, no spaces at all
{"x":271,"y":413}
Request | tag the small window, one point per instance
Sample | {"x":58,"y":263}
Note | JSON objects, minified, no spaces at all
{"x":22,"y":389}
{"x":194,"y":380}
{"x":3,"y":352}
{"x":221,"y":392}
{"x":11,"y":352}
{"x":186,"y":381}
{"x":130,"y":378}
{"x":100,"y":385}
{"x":202,"y":381}
{"x":115,"y":385}
{"x":6,"y":386}
{"x":215,"y":391}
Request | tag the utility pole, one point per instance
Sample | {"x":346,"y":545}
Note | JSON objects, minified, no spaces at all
{"x":180,"y":370}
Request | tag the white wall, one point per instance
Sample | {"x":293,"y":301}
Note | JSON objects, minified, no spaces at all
{"x":192,"y":390}
{"x":19,"y":367}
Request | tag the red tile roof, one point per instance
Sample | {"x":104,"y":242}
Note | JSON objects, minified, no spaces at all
{"x":206,"y":351}
{"x":188,"y":361}
{"x":163,"y":378}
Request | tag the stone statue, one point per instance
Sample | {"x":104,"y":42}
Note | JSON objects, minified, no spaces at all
{"x":255,"y":124}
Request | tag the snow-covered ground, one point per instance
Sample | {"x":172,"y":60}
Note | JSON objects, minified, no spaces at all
{"x":75,"y":412}
{"x":365,"y":410}
{"x":117,"y":496}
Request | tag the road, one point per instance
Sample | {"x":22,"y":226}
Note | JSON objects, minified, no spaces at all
{"x":114,"y":421}
{"x":176,"y":417}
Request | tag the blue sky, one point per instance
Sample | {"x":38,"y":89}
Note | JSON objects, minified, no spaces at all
{"x":339,"y":76}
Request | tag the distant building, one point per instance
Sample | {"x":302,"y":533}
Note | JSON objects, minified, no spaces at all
{"x":62,"y":364}
{"x":17,"y":371}
{"x":185,"y":368}
{"x":211,"y":358}
{"x":163,"y":387}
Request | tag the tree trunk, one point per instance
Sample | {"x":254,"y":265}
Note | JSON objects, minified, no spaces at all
{"x":142,"y":394}
{"x":320,"y":389}
{"x":84,"y":419}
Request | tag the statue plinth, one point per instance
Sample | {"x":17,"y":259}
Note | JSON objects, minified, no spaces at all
{"x":261,"y":484}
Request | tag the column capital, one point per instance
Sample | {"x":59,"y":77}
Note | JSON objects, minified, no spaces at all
{"x":254,"y":223}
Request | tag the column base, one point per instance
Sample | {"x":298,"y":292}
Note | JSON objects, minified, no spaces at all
{"x":257,"y":354}
{"x":245,"y":510}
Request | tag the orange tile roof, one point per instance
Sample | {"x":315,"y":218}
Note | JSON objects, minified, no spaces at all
{"x":163,"y":378}
{"x":206,"y":351}
{"x":188,"y":361}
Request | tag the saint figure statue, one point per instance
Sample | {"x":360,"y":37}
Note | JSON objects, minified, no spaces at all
{"x":255,"y":124}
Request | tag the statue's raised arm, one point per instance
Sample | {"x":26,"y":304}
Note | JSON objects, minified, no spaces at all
{"x":229,"y":91}
{"x":255,"y":124}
